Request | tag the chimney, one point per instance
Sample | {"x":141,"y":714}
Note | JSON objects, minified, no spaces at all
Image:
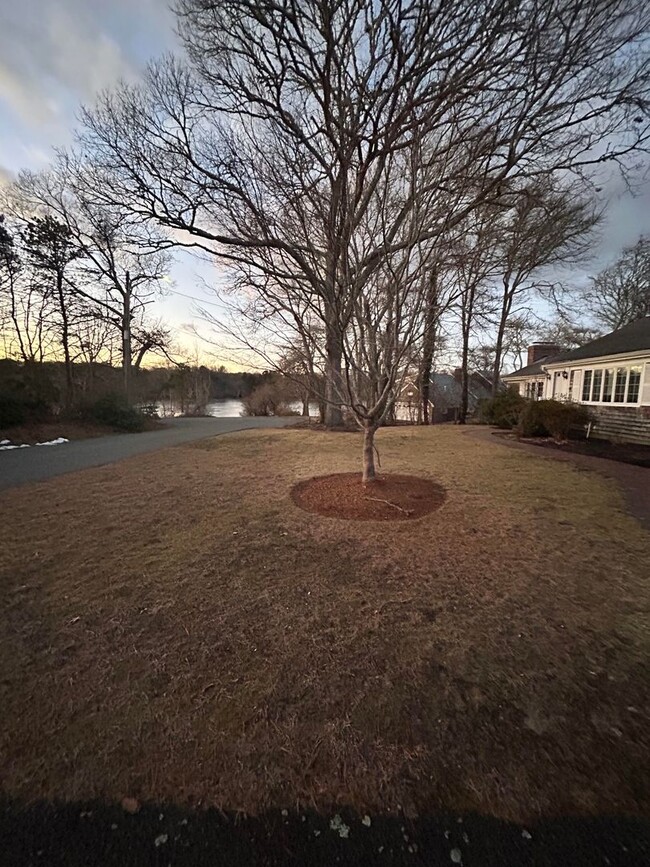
{"x":541,"y":350}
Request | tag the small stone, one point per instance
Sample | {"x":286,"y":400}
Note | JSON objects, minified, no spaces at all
{"x":456,"y":856}
{"x":285,"y":813}
{"x":526,"y":835}
{"x":160,"y":840}
{"x":366,"y":821}
{"x":130,"y":805}
{"x":337,"y":824}
{"x":114,"y":827}
{"x":381,"y":849}
{"x":316,"y":833}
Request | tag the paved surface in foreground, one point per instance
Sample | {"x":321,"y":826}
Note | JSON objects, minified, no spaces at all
{"x":79,"y":835}
{"x":19,"y":466}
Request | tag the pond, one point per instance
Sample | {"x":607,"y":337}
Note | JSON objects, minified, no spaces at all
{"x":226,"y":408}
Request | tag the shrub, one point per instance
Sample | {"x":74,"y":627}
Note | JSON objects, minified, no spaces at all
{"x":552,"y":418}
{"x":267,"y":399}
{"x":113,"y":411}
{"x":503,"y":410}
{"x":17,"y":409}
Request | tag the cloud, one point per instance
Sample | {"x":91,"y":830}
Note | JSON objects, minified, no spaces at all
{"x":55,"y":54}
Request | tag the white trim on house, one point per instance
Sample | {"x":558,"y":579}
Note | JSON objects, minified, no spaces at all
{"x":566,"y":380}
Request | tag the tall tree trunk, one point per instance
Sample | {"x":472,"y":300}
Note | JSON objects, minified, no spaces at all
{"x":126,"y":337}
{"x":503,"y":321}
{"x":65,"y":340}
{"x":305,"y":405}
{"x":464,"y":381}
{"x":428,"y":349}
{"x":369,"y":453}
{"x":334,"y":351}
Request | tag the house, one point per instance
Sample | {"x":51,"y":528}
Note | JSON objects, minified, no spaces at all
{"x":445,"y":393}
{"x":611,"y":375}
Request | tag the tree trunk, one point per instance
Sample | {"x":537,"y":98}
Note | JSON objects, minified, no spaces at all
{"x":428,"y":349}
{"x":65,"y":340}
{"x":333,"y":413}
{"x":305,"y":405}
{"x":503,"y":320}
{"x":126,"y":337}
{"x":464,"y":382}
{"x":369,"y":453}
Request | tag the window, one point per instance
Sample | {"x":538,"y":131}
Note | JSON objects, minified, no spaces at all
{"x":571,"y":380}
{"x":540,"y":390}
{"x":604,"y":385}
{"x":596,"y":386}
{"x":607,"y":387}
{"x":619,"y":387}
{"x":633,"y":384}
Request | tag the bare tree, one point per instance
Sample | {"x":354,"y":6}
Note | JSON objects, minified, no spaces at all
{"x":50,"y":249}
{"x":621,"y":293}
{"x":275,"y":148}
{"x":122,"y":260}
{"x":538,"y":227}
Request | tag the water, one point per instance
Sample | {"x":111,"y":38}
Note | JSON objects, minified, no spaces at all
{"x":226,"y":408}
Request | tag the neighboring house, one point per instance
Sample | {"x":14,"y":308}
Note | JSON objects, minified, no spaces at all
{"x":611,"y":375}
{"x":445,"y":394}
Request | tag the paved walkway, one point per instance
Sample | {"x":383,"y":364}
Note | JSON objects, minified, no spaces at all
{"x":634,"y":481}
{"x":19,"y":466}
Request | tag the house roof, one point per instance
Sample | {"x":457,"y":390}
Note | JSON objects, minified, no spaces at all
{"x":446,"y":387}
{"x":537,"y":368}
{"x":634,"y":337}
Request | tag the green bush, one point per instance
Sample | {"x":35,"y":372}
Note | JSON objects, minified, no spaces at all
{"x":113,"y":411}
{"x":552,"y":418}
{"x":503,"y":410}
{"x":17,"y":409}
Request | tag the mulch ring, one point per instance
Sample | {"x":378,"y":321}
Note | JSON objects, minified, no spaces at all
{"x":389,"y":498}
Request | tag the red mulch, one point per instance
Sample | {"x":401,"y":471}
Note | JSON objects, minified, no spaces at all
{"x":390,"y":498}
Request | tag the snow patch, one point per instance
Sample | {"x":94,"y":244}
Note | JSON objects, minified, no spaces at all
{"x":6,"y":445}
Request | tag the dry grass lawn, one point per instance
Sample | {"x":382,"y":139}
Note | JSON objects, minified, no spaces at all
{"x":174,"y":627}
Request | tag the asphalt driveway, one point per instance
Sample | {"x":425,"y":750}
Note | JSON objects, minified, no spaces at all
{"x":20,"y":466}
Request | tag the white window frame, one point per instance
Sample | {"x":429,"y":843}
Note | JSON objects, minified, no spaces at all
{"x":613,"y":366}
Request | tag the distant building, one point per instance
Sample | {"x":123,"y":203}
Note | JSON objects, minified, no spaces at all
{"x":445,"y":394}
{"x":611,"y":375}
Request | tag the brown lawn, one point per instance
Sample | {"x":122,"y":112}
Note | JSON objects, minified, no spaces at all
{"x":175,"y":627}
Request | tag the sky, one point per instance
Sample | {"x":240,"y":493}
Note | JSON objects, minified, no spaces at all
{"x":57,"y":54}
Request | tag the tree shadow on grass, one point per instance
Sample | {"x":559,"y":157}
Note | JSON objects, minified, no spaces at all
{"x":96,"y":833}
